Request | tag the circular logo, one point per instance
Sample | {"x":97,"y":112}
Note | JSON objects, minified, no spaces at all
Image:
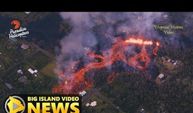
{"x":16,"y":24}
{"x":14,"y":104}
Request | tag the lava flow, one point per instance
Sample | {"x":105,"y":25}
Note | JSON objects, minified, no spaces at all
{"x":76,"y":81}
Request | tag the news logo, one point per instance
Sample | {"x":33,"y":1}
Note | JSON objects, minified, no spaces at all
{"x":16,"y":24}
{"x":17,"y":30}
{"x":43,"y":104}
{"x":14,"y":104}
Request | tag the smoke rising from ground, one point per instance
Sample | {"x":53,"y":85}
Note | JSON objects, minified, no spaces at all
{"x":84,"y":37}
{"x":105,"y":40}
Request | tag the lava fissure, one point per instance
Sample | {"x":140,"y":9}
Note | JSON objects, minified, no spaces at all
{"x":76,"y":80}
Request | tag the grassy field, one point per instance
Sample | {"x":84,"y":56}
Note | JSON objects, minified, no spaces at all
{"x":11,"y":53}
{"x":38,"y":60}
{"x":49,"y":69}
{"x":101,"y":107}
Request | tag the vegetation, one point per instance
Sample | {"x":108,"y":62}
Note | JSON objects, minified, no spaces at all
{"x":133,"y":91}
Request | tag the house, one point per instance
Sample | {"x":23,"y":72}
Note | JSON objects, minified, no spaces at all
{"x":23,"y":79}
{"x":9,"y":85}
{"x":82,"y":93}
{"x":160,"y":78}
{"x":24,"y":46}
{"x":93,"y":104}
{"x":33,"y":72}
{"x":27,"y":13}
{"x":170,"y":64}
{"x":87,"y":104}
{"x":142,"y":110}
{"x":20,"y":72}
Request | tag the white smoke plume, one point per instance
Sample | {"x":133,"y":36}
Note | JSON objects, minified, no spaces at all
{"x":82,"y":36}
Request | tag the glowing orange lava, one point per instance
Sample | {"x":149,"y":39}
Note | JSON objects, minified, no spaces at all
{"x":76,"y":82}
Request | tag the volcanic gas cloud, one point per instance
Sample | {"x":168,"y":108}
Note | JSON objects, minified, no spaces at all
{"x":75,"y":80}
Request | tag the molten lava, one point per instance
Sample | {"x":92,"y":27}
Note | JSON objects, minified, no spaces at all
{"x":111,"y":78}
{"x":76,"y":81}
